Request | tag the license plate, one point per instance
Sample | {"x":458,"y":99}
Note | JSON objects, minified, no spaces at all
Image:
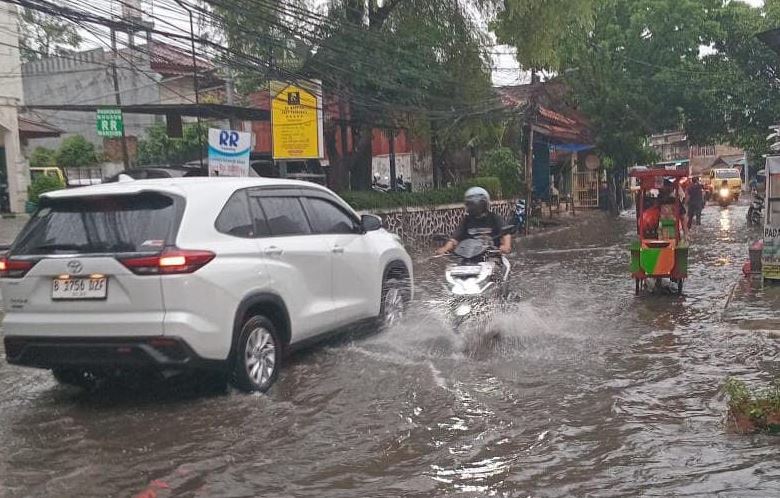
{"x":79,"y":288}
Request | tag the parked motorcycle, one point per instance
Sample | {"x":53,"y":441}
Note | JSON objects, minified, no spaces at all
{"x":383,"y":187}
{"x":477,"y":283}
{"x":755,"y":213}
{"x":521,"y":213}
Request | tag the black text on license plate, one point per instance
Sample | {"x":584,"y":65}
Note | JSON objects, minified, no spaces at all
{"x":79,"y":288}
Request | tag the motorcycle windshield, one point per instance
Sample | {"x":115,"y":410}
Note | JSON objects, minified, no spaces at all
{"x":470,"y":248}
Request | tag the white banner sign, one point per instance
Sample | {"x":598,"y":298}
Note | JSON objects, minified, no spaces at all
{"x":229,"y":152}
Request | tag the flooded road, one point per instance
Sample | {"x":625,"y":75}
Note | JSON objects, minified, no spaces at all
{"x":590,"y":392}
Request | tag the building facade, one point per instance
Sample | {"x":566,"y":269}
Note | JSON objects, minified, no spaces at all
{"x":14,"y":172}
{"x":153,"y":73}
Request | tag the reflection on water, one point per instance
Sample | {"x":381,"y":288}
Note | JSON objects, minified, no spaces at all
{"x":725,"y":221}
{"x":589,"y":391}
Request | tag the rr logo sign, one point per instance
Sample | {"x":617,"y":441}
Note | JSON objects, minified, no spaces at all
{"x":228,"y":139}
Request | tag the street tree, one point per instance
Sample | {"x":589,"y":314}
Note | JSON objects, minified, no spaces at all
{"x":158,"y":148}
{"x":42,"y":35}
{"x":75,"y":151}
{"x":415,"y":64}
{"x":634,"y":67}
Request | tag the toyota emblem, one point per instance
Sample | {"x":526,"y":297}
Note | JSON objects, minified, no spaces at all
{"x":75,"y":267}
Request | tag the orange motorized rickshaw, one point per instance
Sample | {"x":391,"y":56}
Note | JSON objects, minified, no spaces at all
{"x":661,"y":252}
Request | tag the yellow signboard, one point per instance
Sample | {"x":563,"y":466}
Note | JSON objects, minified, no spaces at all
{"x":296,"y":121}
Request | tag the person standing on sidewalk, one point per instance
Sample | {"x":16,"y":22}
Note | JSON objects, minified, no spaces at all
{"x":695,"y":197}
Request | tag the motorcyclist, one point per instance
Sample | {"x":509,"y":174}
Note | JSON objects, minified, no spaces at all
{"x":478,"y":222}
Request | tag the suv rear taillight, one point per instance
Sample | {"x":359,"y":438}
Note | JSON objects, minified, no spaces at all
{"x":15,"y":268}
{"x":171,"y":261}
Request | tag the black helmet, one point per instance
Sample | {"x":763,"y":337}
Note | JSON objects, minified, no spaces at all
{"x":477,"y":201}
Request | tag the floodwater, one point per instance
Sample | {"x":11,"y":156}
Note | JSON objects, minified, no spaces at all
{"x":590,"y":391}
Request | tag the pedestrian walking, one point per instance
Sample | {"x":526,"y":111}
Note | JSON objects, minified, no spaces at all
{"x":695,"y":198}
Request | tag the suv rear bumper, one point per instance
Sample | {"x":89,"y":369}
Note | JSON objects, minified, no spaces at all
{"x":156,"y":352}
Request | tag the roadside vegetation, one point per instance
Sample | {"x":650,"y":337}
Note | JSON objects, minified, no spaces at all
{"x":753,"y":410}
{"x":369,"y":200}
{"x":41,"y":185}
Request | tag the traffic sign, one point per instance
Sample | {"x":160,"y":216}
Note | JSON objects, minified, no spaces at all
{"x":109,"y":122}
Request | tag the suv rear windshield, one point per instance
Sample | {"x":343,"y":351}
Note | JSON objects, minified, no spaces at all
{"x":118,"y":223}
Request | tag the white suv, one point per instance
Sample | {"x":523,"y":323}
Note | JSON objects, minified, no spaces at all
{"x":221,"y":274}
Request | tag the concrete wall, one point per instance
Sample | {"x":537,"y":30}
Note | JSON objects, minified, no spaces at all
{"x":11,"y":97}
{"x":421,"y":223}
{"x":86,"y":78}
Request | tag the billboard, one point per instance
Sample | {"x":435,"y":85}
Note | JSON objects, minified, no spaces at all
{"x":229,"y":152}
{"x":770,"y":256}
{"x":296,"y":121}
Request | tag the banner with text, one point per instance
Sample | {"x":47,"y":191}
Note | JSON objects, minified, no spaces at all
{"x":296,"y":120}
{"x":229,"y":152}
{"x":770,"y":256}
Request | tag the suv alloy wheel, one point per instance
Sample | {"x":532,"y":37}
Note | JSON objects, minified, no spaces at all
{"x":394,"y":301}
{"x":258,"y":355}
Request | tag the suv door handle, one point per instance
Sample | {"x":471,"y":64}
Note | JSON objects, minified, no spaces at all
{"x":273,"y":251}
{"x":338,"y":250}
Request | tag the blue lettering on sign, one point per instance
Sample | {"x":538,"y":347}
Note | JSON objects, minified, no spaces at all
{"x":228,"y":139}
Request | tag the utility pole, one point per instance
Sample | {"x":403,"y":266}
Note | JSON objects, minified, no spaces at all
{"x":529,"y":177}
{"x":229,"y":96}
{"x":118,"y":98}
{"x":195,"y":81}
{"x":392,"y":160}
{"x":529,"y":160}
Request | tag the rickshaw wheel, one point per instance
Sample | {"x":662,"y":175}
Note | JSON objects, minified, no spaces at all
{"x":680,"y":287}
{"x":638,"y":286}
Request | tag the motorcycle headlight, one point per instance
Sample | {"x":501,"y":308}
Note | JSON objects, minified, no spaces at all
{"x":724,"y":192}
{"x":463,"y":310}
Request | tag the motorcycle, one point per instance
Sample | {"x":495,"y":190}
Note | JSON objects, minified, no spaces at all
{"x":724,"y":197}
{"x":521,"y":215}
{"x":478,"y":283}
{"x":755,"y":213}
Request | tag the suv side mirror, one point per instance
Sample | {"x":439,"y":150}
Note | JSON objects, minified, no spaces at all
{"x":370,"y":222}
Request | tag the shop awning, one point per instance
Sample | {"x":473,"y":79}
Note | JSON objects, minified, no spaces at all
{"x":34,"y":128}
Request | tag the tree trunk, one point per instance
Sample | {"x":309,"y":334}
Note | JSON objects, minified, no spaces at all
{"x":337,"y":180}
{"x":361,"y":160}
{"x":435,"y":155}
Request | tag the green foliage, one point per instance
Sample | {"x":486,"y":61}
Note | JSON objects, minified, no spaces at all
{"x":43,"y":184}
{"x":362,"y":200}
{"x":420,"y":64}
{"x":502,"y":164}
{"x":158,"y":148}
{"x":75,"y":151}
{"x":42,"y":35}
{"x":489,"y":183}
{"x":761,"y":406}
{"x":541,"y":28}
{"x":42,"y":157}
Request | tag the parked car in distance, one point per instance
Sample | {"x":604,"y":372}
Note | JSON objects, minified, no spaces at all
{"x":204,"y":274}
{"x":307,"y":170}
{"x":154,"y":172}
{"x":50,"y":171}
